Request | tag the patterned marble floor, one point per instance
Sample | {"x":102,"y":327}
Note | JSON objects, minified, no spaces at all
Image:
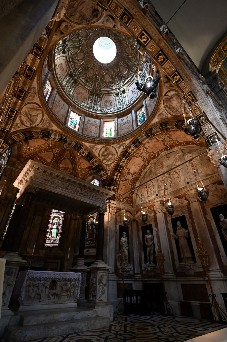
{"x":134,"y":328}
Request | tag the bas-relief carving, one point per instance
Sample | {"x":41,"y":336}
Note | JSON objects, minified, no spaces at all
{"x":32,"y":115}
{"x":102,"y":287}
{"x":83,"y":12}
{"x":217,"y":195}
{"x":108,"y":155}
{"x":35,"y":287}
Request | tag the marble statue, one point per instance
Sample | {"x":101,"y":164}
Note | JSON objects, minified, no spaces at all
{"x":149,"y":242}
{"x":182,"y":235}
{"x":124,"y":248}
{"x":223,"y":224}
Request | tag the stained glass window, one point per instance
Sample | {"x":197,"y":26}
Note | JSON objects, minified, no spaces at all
{"x":95,"y":182}
{"x":74,"y":121}
{"x":54,"y":228}
{"x":91,"y":225}
{"x":47,"y":90}
{"x":141,"y":116}
{"x":108,"y":129}
{"x":4,"y":160}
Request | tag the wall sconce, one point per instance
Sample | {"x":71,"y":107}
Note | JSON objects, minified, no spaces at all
{"x":143,"y":216}
{"x":125,"y":220}
{"x":169,"y":205}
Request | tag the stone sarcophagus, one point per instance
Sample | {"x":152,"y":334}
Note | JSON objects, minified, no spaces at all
{"x":46,"y":288}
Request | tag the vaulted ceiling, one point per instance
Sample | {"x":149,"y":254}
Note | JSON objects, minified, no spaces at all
{"x":40,"y":129}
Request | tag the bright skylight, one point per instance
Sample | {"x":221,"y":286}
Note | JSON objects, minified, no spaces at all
{"x":104,"y":50}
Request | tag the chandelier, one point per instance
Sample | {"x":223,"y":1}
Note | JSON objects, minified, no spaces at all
{"x":148,"y":76}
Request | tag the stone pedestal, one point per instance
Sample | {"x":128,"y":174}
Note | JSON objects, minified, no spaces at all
{"x":99,"y":283}
{"x":2,"y":271}
{"x":13,"y":261}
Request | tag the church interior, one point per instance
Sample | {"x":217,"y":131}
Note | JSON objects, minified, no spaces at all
{"x":113,"y":165}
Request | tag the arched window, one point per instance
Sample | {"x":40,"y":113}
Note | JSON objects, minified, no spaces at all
{"x":54,"y":228}
{"x":74,"y":121}
{"x":96,"y":182}
{"x":141,"y":116}
{"x":90,"y":240}
{"x":47,"y":89}
{"x":108,"y":129}
{"x":4,"y":160}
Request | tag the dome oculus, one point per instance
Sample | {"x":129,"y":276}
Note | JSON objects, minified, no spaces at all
{"x":104,"y":50}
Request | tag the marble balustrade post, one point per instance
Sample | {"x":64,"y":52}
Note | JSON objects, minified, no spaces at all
{"x":99,"y":270}
{"x":100,"y":237}
{"x":80,"y":266}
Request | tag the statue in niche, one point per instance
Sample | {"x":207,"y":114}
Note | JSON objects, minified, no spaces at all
{"x":223,"y":224}
{"x":124,"y":249}
{"x":149,"y":242}
{"x":182,"y":235}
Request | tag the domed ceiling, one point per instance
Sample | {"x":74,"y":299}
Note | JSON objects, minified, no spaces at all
{"x":91,"y":92}
{"x":101,"y":88}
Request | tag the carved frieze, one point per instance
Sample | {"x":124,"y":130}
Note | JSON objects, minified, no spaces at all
{"x":38,"y":176}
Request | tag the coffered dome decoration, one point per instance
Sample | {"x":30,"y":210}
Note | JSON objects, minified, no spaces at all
{"x":90,"y":91}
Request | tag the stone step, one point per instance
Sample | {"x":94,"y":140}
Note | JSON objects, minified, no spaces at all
{"x":38,"y":331}
{"x":52,"y":316}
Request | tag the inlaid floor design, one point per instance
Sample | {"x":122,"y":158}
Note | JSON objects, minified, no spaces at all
{"x":134,"y":328}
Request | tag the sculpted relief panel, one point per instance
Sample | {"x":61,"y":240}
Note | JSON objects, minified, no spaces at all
{"x":179,"y":170}
{"x":143,"y":156}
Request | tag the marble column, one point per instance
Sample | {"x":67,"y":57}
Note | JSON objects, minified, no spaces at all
{"x":110,"y":248}
{"x":162,"y":227}
{"x":136,"y":248}
{"x":110,"y":235}
{"x":168,"y":276}
{"x":202,"y":231}
{"x":216,"y":283}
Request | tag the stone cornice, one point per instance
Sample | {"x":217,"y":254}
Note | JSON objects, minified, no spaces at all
{"x":38,"y":176}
